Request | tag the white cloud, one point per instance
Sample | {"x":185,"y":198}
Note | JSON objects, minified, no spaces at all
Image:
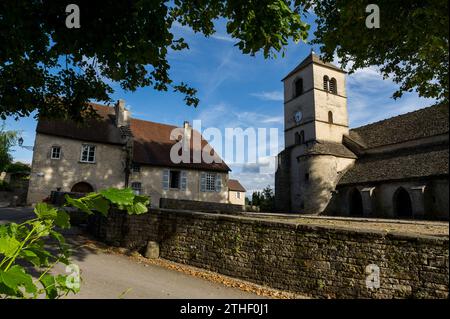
{"x":269,"y":96}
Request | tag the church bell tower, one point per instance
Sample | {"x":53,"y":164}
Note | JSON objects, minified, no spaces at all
{"x":315,"y":121}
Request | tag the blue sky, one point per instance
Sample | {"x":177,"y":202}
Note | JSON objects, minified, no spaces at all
{"x":238,"y":90}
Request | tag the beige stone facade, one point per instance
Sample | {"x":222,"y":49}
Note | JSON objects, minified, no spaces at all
{"x":73,"y":160}
{"x":236,"y":197}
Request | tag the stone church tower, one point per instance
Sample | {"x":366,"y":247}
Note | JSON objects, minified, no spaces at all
{"x":315,"y":121}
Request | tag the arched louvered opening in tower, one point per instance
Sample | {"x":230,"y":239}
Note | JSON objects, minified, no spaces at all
{"x":333,"y":86}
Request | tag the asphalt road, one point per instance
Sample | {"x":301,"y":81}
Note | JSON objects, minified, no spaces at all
{"x":113,"y":276}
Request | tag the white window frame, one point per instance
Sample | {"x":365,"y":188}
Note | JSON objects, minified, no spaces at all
{"x":210,"y":182}
{"x":52,"y":152}
{"x":89,"y":147}
{"x":238,"y":195}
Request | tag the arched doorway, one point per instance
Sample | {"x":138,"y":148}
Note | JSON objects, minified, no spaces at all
{"x":402,"y":203}
{"x":355,"y":203}
{"x":82,"y":187}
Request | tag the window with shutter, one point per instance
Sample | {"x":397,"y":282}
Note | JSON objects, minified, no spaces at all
{"x":203,"y":182}
{"x":165,"y":180}
{"x":183,"y":180}
{"x":218,"y":186}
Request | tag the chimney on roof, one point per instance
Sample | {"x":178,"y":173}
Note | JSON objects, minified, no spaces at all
{"x":187,"y":135}
{"x":122,"y":114}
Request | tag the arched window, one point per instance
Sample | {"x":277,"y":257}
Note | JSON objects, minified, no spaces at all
{"x":402,"y":203}
{"x":298,"y":87}
{"x":325,"y":83}
{"x":300,"y":138}
{"x":355,"y":203}
{"x":330,"y":117}
{"x":333,"y":86}
{"x":297,"y":138}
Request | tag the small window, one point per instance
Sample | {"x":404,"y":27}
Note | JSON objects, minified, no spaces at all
{"x":56,"y":152}
{"x":325,"y":83}
{"x":136,"y":168}
{"x":88,"y":154}
{"x":210,"y":182}
{"x":298,"y":87}
{"x":175,"y":179}
{"x":238,"y":195}
{"x":136,"y":187}
{"x":333,"y":86}
{"x":330,"y":117}
{"x":300,"y":138}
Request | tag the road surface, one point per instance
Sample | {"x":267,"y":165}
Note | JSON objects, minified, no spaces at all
{"x":112,"y":276}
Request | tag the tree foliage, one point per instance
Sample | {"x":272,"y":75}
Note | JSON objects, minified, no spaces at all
{"x":47,"y":67}
{"x":410,"y":47}
{"x":36,"y":246}
{"x":264,"y":199}
{"x":7,"y":140}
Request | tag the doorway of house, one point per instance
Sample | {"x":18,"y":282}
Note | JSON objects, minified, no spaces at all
{"x":402,"y":203}
{"x":82,"y":187}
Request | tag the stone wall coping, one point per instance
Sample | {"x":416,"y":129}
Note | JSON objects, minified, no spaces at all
{"x":297,"y":226}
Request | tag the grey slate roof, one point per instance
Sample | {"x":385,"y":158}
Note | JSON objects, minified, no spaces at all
{"x":329,"y":148}
{"x":404,"y":163}
{"x":422,"y":123}
{"x":412,"y":163}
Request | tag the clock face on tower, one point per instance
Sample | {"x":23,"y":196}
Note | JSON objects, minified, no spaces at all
{"x":298,"y":117}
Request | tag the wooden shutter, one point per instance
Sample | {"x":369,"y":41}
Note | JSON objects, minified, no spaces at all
{"x":183,"y":178}
{"x":203,"y":182}
{"x":165,"y":180}
{"x":218,"y":183}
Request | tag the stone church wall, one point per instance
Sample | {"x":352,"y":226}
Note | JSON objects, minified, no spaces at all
{"x":320,"y":261}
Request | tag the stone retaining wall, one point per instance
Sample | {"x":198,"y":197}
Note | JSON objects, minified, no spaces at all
{"x":318,"y":261}
{"x":208,"y":207}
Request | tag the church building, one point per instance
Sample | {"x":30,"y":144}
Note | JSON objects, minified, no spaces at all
{"x":395,"y":168}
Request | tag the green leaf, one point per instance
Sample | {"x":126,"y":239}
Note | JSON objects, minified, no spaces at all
{"x":31,"y":256}
{"x":99,"y":204}
{"x":16,"y":277}
{"x":62,"y":219}
{"x":49,"y":283}
{"x":8,"y":245}
{"x":119,"y":196}
{"x":45,"y":211}
{"x":77,"y":203}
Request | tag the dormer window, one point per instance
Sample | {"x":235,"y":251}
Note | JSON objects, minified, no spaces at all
{"x":298,"y":87}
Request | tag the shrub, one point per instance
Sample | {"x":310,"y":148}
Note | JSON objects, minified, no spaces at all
{"x":17,"y":167}
{"x":5,"y":187}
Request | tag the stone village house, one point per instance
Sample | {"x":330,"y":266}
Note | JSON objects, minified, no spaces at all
{"x":397,"y":167}
{"x":117,"y":150}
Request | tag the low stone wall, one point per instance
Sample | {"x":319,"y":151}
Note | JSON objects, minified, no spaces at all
{"x":208,"y":207}
{"x":318,"y":261}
